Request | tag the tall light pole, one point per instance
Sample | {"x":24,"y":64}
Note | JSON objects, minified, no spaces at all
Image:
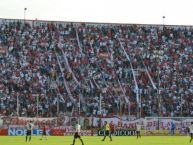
{"x":24,"y":17}
{"x":163,"y":17}
{"x":158,"y":88}
{"x":159,"y":58}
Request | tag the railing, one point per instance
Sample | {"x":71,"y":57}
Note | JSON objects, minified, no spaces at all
{"x":133,"y":72}
{"x":65,"y":82}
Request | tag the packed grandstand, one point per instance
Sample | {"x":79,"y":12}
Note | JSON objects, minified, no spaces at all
{"x":58,"y":68}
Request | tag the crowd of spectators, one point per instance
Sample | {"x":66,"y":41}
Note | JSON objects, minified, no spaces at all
{"x":52,"y":68}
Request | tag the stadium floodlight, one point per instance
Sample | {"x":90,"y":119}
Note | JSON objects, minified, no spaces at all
{"x":163,"y":17}
{"x":25,"y":9}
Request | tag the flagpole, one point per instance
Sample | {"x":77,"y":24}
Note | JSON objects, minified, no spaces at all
{"x":100,"y":104}
{"x":58,"y":105}
{"x":17,"y":105}
{"x":37,"y":99}
{"x":129,"y":111}
{"x":79,"y":108}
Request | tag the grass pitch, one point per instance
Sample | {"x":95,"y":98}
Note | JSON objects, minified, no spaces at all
{"x":95,"y":140}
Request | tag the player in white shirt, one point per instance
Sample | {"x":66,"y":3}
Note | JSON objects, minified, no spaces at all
{"x":191,"y":132}
{"x":77,"y":134}
{"x":138,"y":127}
{"x":29,"y":127}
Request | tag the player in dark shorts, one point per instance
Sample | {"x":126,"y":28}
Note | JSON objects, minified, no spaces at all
{"x":138,"y":130}
{"x":107,"y":131}
{"x":77,"y":134}
{"x":29,"y":131}
{"x":44,"y":129}
{"x":191,"y":132}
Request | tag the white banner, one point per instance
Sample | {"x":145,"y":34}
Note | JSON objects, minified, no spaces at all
{"x":151,"y":124}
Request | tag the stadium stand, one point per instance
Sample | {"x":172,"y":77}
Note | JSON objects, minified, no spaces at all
{"x":61,"y":64}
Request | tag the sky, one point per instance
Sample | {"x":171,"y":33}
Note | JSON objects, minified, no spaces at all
{"x":176,"y":12}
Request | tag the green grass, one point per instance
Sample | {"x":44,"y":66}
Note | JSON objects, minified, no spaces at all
{"x":95,"y":140}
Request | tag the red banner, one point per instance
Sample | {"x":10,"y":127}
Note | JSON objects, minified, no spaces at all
{"x":57,"y":132}
{"x":3,"y":132}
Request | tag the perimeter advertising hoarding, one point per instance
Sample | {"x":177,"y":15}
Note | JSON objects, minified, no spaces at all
{"x":3,"y":132}
{"x":120,"y":132}
{"x":21,"y":132}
